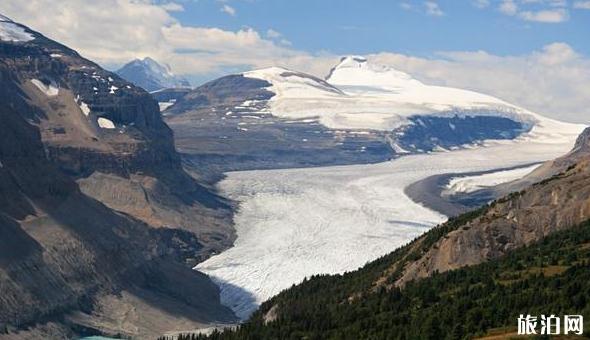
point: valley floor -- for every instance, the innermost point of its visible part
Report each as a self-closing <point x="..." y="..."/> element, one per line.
<point x="295" y="223"/>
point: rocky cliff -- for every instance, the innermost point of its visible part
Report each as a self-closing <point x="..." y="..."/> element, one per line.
<point x="109" y="135"/>
<point x="76" y="255"/>
<point x="558" y="201"/>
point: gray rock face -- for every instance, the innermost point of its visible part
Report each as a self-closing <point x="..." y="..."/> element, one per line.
<point x="556" y="203"/>
<point x="69" y="249"/>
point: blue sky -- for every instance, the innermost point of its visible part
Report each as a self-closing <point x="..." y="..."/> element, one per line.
<point x="363" y="27"/>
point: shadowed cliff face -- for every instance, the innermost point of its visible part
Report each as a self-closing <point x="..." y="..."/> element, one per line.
<point x="71" y="259"/>
<point x="109" y="135"/>
<point x="555" y="203"/>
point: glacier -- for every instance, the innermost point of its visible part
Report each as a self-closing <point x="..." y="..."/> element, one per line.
<point x="295" y="223"/>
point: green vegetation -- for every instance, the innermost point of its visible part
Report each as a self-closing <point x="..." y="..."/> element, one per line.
<point x="549" y="277"/>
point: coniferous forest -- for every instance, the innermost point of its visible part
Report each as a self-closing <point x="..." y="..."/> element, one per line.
<point x="549" y="277"/>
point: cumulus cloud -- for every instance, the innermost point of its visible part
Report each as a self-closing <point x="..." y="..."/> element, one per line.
<point x="582" y="4"/>
<point x="481" y="3"/>
<point x="543" y="11"/>
<point x="112" y="32"/>
<point x="405" y="5"/>
<point x="508" y="7"/>
<point x="432" y="8"/>
<point x="228" y="9"/>
<point x="552" y="81"/>
<point x="548" y="16"/>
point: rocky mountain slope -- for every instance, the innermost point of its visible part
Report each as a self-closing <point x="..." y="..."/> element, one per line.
<point x="525" y="252"/>
<point x="109" y="136"/>
<point x="463" y="201"/>
<point x="97" y="216"/>
<point x="150" y="75"/>
<point x="361" y="113"/>
<point x="553" y="204"/>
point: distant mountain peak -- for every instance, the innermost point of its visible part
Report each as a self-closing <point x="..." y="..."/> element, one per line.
<point x="357" y="70"/>
<point x="151" y="75"/>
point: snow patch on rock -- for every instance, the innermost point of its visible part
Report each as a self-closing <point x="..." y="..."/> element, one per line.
<point x="84" y="108"/>
<point x="164" y="105"/>
<point x="50" y="90"/>
<point x="9" y="31"/>
<point x="105" y="123"/>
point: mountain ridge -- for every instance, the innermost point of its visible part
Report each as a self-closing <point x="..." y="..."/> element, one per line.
<point x="74" y="252"/>
<point x="302" y="121"/>
<point x="151" y="76"/>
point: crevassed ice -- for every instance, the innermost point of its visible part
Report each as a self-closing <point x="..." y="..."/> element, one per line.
<point x="295" y="223"/>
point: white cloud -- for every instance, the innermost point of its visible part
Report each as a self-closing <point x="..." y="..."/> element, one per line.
<point x="278" y="37"/>
<point x="553" y="81"/>
<point x="508" y="7"/>
<point x="172" y="7"/>
<point x="405" y="5"/>
<point x="432" y="8"/>
<point x="112" y="32"/>
<point x="544" y="11"/>
<point x="273" y="34"/>
<point x="546" y="16"/>
<point x="228" y="9"/>
<point x="582" y="4"/>
<point x="556" y="54"/>
<point x="481" y="3"/>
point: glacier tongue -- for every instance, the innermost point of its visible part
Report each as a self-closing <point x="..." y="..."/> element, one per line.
<point x="295" y="223"/>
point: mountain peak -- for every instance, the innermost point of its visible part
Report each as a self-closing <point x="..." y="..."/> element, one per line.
<point x="583" y="142"/>
<point x="151" y="75"/>
<point x="357" y="70"/>
<point x="352" y="61"/>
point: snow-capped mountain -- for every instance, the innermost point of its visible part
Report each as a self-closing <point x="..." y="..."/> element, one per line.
<point x="360" y="95"/>
<point x="360" y="113"/>
<point x="150" y="75"/>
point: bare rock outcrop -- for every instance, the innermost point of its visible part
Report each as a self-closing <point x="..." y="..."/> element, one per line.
<point x="555" y="203"/>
